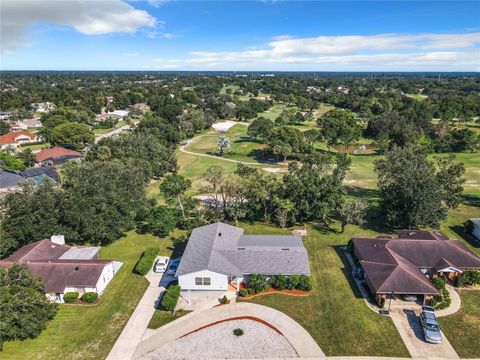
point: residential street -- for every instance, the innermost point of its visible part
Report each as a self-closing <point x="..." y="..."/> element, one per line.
<point x="408" y="325"/>
<point x="112" y="133"/>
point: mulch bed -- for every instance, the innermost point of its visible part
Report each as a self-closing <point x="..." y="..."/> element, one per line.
<point x="293" y="292"/>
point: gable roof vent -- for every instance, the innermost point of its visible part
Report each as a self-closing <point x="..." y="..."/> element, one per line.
<point x="76" y="268"/>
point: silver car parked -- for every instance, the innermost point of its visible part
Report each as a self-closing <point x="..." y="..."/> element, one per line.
<point x="430" y="325"/>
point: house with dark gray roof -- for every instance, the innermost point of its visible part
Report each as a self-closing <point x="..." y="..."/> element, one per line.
<point x="13" y="179"/>
<point x="219" y="255"/>
<point x="405" y="265"/>
<point x="64" y="268"/>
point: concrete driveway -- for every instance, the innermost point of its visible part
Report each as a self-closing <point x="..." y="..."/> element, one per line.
<point x="137" y="324"/>
<point x="407" y="322"/>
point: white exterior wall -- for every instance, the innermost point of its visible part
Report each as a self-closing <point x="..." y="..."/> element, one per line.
<point x="476" y="231"/>
<point x="218" y="281"/>
<point x="105" y="277"/>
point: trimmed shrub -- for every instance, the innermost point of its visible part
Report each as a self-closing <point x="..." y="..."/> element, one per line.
<point x="304" y="283"/>
<point x="89" y="297"/>
<point x="237" y="332"/>
<point x="170" y="298"/>
<point x="146" y="261"/>
<point x="459" y="282"/>
<point x="224" y="300"/>
<point x="471" y="277"/>
<point x="279" y="282"/>
<point x="70" y="297"/>
<point x="243" y="292"/>
<point x="292" y="282"/>
<point x="258" y="283"/>
<point x="439" y="283"/>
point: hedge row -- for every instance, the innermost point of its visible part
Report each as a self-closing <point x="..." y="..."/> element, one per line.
<point x="146" y="261"/>
<point x="88" y="297"/>
<point x="170" y="298"/>
<point x="258" y="283"/>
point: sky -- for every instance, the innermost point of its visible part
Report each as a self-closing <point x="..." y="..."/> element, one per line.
<point x="240" y="35"/>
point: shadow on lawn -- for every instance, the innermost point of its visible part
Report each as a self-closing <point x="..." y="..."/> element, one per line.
<point x="347" y="271"/>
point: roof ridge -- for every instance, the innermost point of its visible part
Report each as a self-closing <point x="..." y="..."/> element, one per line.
<point x="38" y="243"/>
<point x="414" y="274"/>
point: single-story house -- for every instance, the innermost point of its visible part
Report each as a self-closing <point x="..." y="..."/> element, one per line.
<point x="16" y="138"/>
<point x="56" y="156"/>
<point x="42" y="107"/>
<point x="12" y="179"/>
<point x="219" y="255"/>
<point x="140" y="106"/>
<point x="474" y="227"/>
<point x="405" y="265"/>
<point x="65" y="268"/>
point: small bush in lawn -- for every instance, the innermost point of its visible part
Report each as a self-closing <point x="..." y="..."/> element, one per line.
<point x="304" y="283"/>
<point x="146" y="261"/>
<point x="224" y="300"/>
<point x="70" y="297"/>
<point x="237" y="332"/>
<point x="292" y="282"/>
<point x="279" y="282"/>
<point x="243" y="292"/>
<point x="170" y="298"/>
<point x="89" y="297"/>
<point x="439" y="283"/>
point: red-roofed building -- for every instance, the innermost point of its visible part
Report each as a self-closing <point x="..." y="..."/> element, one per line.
<point x="56" y="156"/>
<point x="64" y="268"/>
<point x="405" y="265"/>
<point x="16" y="138"/>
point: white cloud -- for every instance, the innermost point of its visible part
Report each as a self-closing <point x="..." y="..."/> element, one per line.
<point x="387" y="50"/>
<point x="157" y="3"/>
<point x="153" y="34"/>
<point x="86" y="17"/>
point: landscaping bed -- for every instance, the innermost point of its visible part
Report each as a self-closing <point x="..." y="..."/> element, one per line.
<point x="293" y="292"/>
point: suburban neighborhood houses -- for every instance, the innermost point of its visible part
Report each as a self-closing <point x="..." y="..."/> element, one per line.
<point x="184" y="180"/>
<point x="219" y="255"/>
<point x="63" y="268"/>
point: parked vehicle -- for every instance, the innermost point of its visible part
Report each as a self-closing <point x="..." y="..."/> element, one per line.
<point x="161" y="264"/>
<point x="409" y="297"/>
<point x="430" y="325"/>
<point x="172" y="269"/>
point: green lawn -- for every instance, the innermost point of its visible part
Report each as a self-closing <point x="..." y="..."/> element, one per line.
<point x="334" y="314"/>
<point x="273" y="112"/>
<point x="89" y="332"/>
<point x="242" y="147"/>
<point x="162" y="317"/>
<point x="463" y="328"/>
<point x="34" y="147"/>
<point x="101" y="131"/>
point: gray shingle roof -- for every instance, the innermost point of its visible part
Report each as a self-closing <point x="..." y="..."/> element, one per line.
<point x="224" y="249"/>
<point x="9" y="179"/>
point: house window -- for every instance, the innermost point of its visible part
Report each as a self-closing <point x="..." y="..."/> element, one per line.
<point x="203" y="281"/>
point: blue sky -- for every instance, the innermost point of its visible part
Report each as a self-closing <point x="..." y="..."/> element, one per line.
<point x="247" y="35"/>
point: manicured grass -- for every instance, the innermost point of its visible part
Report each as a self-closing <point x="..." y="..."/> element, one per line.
<point x="242" y="147"/>
<point x="418" y="97"/>
<point x="273" y="112"/>
<point x="89" y="332"/>
<point x="101" y="131"/>
<point x="463" y="328"/>
<point x="162" y="317"/>
<point x="334" y="314"/>
<point x="34" y="147"/>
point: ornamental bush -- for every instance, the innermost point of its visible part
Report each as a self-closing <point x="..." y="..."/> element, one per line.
<point x="258" y="282"/>
<point x="304" y="283"/>
<point x="237" y="332"/>
<point x="89" y="297"/>
<point x="70" y="297"/>
<point x="224" y="300"/>
<point x="439" y="283"/>
<point x="146" y="261"/>
<point x="471" y="277"/>
<point x="243" y="292"/>
<point x="279" y="282"/>
<point x="170" y="298"/>
<point x="292" y="282"/>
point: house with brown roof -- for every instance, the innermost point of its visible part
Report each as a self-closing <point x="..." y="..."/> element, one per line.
<point x="65" y="268"/>
<point x="56" y="156"/>
<point x="405" y="265"/>
<point x="16" y="138"/>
